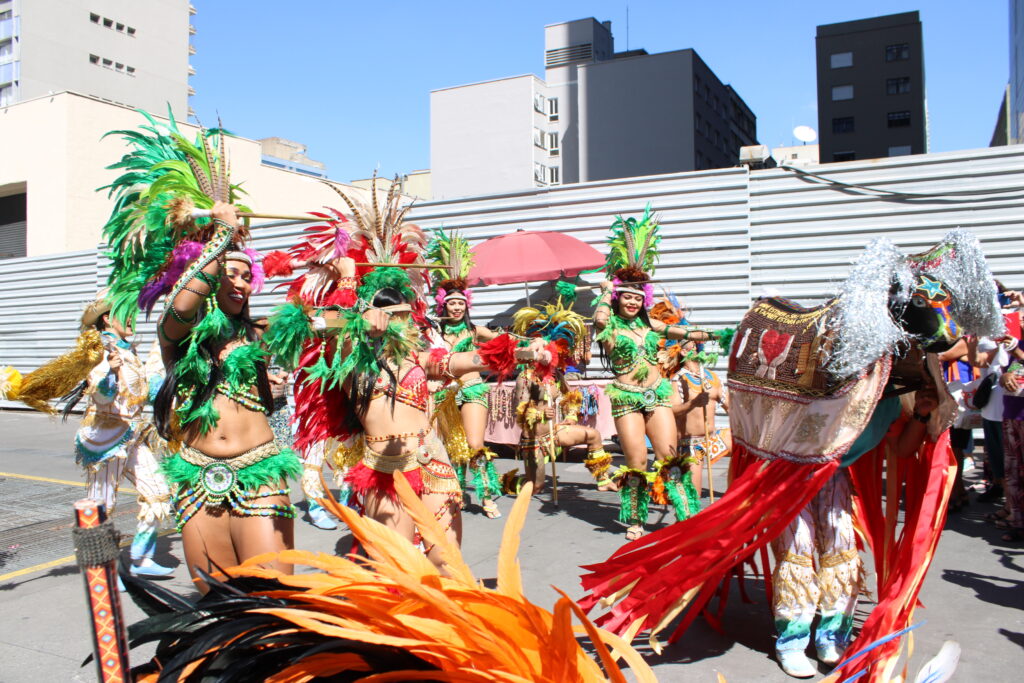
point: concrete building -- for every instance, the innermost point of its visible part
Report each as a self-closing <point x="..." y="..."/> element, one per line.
<point x="796" y="155"/>
<point x="1015" y="100"/>
<point x="415" y="184"/>
<point x="54" y="158"/>
<point x="871" y="89"/>
<point x="130" y="53"/>
<point x="595" y="115"/>
<point x="290" y="156"/>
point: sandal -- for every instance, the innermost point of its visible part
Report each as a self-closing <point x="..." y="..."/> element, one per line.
<point x="1014" y="535"/>
<point x="1002" y="524"/>
<point x="634" y="532"/>
<point x="998" y="515"/>
<point x="491" y="509"/>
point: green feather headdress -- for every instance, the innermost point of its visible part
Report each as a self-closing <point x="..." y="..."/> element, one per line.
<point x="633" y="246"/>
<point x="151" y="227"/>
<point x="449" y="249"/>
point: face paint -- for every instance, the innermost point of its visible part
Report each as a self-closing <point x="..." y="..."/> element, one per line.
<point x="930" y="295"/>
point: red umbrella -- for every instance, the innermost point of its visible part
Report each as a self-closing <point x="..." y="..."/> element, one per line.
<point x="523" y="256"/>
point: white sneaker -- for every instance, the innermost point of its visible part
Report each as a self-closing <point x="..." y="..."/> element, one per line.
<point x="796" y="664"/>
<point x="829" y="654"/>
<point x="321" y="519"/>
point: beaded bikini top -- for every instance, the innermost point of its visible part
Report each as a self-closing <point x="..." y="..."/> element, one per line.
<point x="410" y="390"/>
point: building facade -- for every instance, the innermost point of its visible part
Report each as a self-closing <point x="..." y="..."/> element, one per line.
<point x="590" y="118"/>
<point x="871" y="89"/>
<point x="1014" y="102"/>
<point x="55" y="156"/>
<point x="123" y="51"/>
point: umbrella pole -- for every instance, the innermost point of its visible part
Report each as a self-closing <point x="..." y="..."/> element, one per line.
<point x="526" y="287"/>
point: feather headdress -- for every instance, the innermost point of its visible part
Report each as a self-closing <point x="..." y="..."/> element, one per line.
<point x="322" y="244"/>
<point x="381" y="236"/>
<point x="671" y="353"/>
<point x="633" y="253"/>
<point x="450" y="249"/>
<point x="394" y="616"/>
<point x="151" y="232"/>
<point x="561" y="326"/>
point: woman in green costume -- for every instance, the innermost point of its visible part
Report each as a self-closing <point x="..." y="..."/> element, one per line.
<point x="453" y="299"/>
<point x="629" y="341"/>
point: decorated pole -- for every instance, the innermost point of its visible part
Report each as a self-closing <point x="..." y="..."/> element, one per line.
<point x="705" y="385"/>
<point x="97" y="551"/>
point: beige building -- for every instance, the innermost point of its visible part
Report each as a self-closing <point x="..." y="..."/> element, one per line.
<point x="131" y="52"/>
<point x="55" y="157"/>
<point x="415" y="184"/>
<point x="291" y="156"/>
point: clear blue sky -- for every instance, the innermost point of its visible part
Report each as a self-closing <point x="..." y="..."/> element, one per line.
<point x="352" y="80"/>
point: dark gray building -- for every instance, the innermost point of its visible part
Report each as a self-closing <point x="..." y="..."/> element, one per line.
<point x="596" y="115"/>
<point x="871" y="96"/>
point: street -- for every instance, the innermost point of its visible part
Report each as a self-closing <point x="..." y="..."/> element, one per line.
<point x="974" y="593"/>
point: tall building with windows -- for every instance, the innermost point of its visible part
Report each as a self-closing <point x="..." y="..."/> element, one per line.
<point x="1015" y="98"/>
<point x="871" y="90"/>
<point x="597" y="114"/>
<point x="123" y="51"/>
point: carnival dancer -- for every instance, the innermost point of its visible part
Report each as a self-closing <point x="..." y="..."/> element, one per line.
<point x="469" y="394"/>
<point x="547" y="407"/>
<point x="366" y="365"/>
<point x="114" y="441"/>
<point x="815" y="410"/>
<point x="696" y="393"/>
<point x="226" y="470"/>
<point x="639" y="395"/>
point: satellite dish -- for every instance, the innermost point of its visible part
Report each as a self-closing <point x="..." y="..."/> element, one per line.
<point x="805" y="134"/>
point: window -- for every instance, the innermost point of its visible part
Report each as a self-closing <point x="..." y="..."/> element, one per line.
<point x="131" y="30"/>
<point x="94" y="18"/>
<point x="538" y="103"/>
<point x="538" y="138"/>
<point x="842" y="92"/>
<point x="119" y="66"/>
<point x="108" y="23"/>
<point x="898" y="52"/>
<point x="900" y="151"/>
<point x="94" y="59"/>
<point x="108" y="62"/>
<point x="698" y="123"/>
<point x="552" y="109"/>
<point x="120" y="27"/>
<point x="844" y="156"/>
<point x="841" y="60"/>
<point x="6" y="50"/>
<point x="540" y="173"/>
<point x="6" y="95"/>
<point x="554" y="177"/>
<point x="898" y="119"/>
<point x="553" y="144"/>
<point x="897" y="86"/>
<point x="843" y="124"/>
<point x="131" y="70"/>
<point x="696" y="85"/>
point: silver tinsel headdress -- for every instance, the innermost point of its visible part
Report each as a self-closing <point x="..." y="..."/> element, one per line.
<point x="864" y="328"/>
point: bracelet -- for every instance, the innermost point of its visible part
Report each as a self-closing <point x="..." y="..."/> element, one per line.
<point x="177" y="316"/>
<point x="923" y="419"/>
<point x="195" y="291"/>
<point x="347" y="283"/>
<point x="211" y="281"/>
<point x="225" y="224"/>
<point x="605" y="304"/>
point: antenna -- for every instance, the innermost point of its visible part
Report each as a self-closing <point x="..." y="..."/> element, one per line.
<point x="805" y="134"/>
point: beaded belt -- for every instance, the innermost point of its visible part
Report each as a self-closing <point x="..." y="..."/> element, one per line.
<point x="647" y="395"/>
<point x="246" y="459"/>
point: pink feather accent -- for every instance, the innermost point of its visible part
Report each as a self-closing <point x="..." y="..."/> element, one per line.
<point x="439" y="300"/>
<point x="183" y="254"/>
<point x="258" y="274"/>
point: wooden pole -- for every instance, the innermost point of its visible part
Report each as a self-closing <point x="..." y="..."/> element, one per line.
<point x="706" y="388"/>
<point x="97" y="551"/>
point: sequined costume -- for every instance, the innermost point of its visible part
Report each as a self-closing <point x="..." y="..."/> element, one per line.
<point x="114" y="443"/>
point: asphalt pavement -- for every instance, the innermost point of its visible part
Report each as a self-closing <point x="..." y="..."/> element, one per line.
<point x="974" y="593"/>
